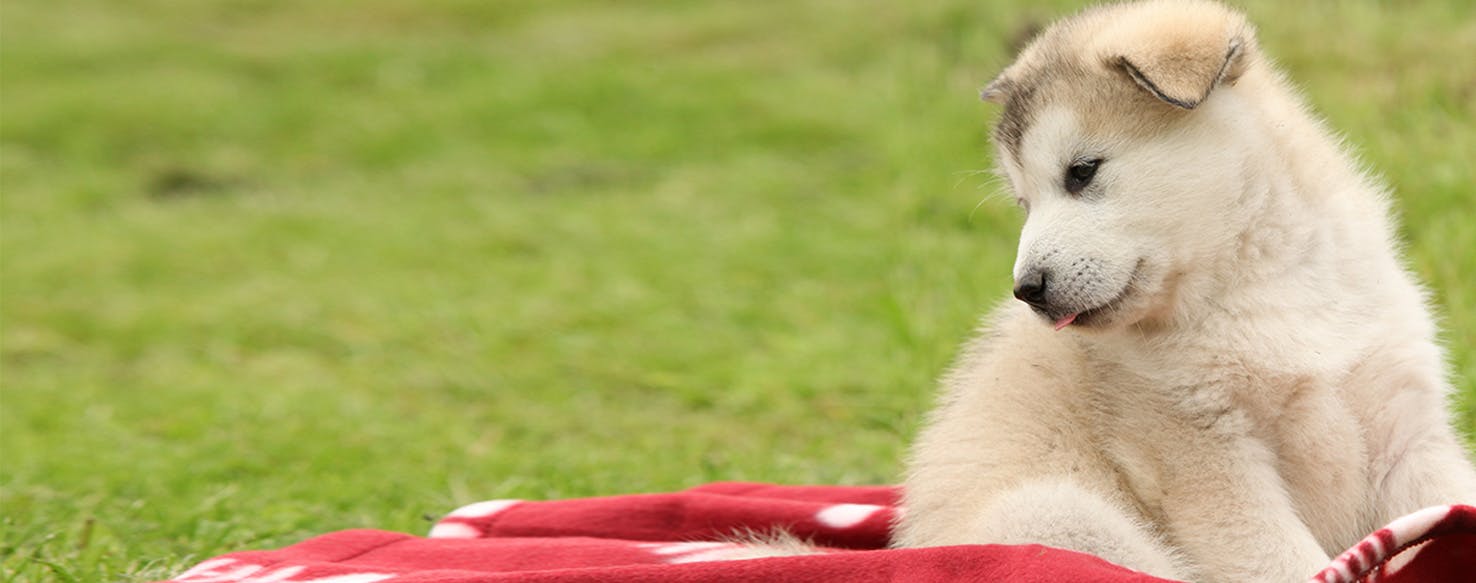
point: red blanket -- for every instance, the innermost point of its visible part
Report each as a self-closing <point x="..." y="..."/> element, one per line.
<point x="678" y="537"/>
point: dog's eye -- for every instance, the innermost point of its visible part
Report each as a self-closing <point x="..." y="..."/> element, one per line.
<point x="1080" y="174"/>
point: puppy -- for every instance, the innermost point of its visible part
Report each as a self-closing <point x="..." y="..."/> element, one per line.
<point x="1218" y="369"/>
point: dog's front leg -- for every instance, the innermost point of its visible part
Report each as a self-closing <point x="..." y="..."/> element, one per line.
<point x="1225" y="504"/>
<point x="1426" y="468"/>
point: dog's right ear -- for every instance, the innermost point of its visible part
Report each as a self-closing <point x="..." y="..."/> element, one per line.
<point x="994" y="92"/>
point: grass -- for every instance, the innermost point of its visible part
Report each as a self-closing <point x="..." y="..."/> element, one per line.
<point x="278" y="268"/>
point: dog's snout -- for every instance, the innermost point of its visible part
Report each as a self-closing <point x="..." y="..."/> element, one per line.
<point x="1031" y="288"/>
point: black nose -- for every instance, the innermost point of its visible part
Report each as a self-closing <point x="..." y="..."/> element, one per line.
<point x="1031" y="288"/>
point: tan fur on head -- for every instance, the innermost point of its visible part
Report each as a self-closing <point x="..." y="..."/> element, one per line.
<point x="1176" y="50"/>
<point x="1125" y="60"/>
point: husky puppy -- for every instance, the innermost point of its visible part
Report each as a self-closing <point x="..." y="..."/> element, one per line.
<point x="1219" y="369"/>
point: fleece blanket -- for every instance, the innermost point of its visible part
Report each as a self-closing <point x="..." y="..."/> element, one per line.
<point x="683" y="537"/>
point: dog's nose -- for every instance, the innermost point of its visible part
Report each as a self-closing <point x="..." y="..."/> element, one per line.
<point x="1031" y="288"/>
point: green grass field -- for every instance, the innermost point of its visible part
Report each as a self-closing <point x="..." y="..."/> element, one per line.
<point x="272" y="269"/>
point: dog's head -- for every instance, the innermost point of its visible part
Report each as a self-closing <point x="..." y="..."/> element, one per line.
<point x="1123" y="139"/>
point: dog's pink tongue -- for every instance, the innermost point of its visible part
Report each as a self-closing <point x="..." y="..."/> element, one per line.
<point x="1065" y="321"/>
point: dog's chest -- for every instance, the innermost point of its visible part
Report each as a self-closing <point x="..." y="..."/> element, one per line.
<point x="1294" y="426"/>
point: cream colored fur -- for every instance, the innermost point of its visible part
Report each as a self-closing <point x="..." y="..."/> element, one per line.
<point x="1264" y="385"/>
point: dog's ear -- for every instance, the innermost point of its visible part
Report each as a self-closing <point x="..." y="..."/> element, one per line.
<point x="994" y="92"/>
<point x="1180" y="57"/>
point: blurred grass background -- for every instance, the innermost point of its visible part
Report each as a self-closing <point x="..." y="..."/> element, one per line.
<point x="278" y="268"/>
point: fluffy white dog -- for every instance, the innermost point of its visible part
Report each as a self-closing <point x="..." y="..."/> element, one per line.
<point x="1218" y="354"/>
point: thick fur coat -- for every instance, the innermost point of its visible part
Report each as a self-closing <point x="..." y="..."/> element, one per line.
<point x="1220" y="354"/>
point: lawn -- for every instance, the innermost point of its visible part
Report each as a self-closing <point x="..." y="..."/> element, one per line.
<point x="274" y="268"/>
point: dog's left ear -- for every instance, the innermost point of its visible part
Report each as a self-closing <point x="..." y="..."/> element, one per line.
<point x="1181" y="58"/>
